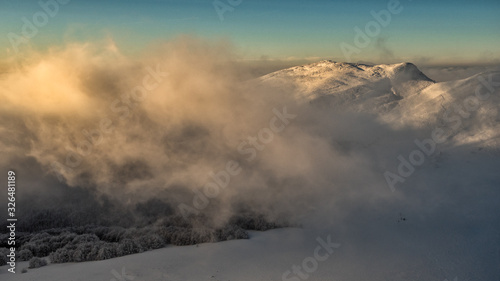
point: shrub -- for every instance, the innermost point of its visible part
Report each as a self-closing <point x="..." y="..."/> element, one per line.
<point x="25" y="255"/>
<point x="84" y="252"/>
<point x="108" y="251"/>
<point x="128" y="247"/>
<point x="38" y="249"/>
<point x="111" y="234"/>
<point x="84" y="238"/>
<point x="77" y="255"/>
<point x="151" y="241"/>
<point x="253" y="222"/>
<point x="231" y="232"/>
<point x="3" y="256"/>
<point x="37" y="262"/>
<point x="61" y="255"/>
<point x="42" y="244"/>
<point x="96" y="242"/>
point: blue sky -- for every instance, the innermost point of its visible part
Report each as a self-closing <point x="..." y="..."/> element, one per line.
<point x="425" y="31"/>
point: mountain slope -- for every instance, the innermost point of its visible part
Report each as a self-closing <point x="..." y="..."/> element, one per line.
<point x="400" y="95"/>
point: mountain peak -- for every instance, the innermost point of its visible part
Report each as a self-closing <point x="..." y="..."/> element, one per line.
<point x="404" y="71"/>
<point x="328" y="69"/>
<point x="342" y="83"/>
<point x="398" y="71"/>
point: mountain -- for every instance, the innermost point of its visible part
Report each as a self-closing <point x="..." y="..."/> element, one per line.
<point x="355" y="86"/>
<point x="400" y="95"/>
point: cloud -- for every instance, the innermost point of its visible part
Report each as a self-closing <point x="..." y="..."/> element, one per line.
<point x="82" y="112"/>
<point x="129" y="129"/>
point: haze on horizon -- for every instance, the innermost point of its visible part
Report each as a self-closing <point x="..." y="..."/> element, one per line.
<point x="423" y="32"/>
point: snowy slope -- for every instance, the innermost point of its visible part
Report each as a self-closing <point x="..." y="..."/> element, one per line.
<point x="400" y="95"/>
<point x="375" y="248"/>
<point x="467" y="109"/>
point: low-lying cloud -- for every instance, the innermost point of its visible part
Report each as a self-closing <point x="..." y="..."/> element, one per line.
<point x="88" y="120"/>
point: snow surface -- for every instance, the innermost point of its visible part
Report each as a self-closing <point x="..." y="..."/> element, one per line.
<point x="364" y="254"/>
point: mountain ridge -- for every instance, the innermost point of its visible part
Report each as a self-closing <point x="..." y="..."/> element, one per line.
<point x="355" y="85"/>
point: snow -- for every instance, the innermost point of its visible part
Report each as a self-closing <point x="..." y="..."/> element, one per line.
<point x="399" y="252"/>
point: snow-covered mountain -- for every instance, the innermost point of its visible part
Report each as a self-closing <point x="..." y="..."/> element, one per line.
<point x="352" y="85"/>
<point x="400" y="95"/>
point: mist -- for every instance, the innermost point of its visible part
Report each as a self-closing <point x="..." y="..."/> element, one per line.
<point x="132" y="129"/>
<point x="87" y="126"/>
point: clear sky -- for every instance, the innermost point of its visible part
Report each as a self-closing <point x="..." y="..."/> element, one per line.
<point x="423" y="31"/>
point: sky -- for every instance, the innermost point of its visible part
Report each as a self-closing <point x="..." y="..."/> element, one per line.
<point x="425" y="32"/>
